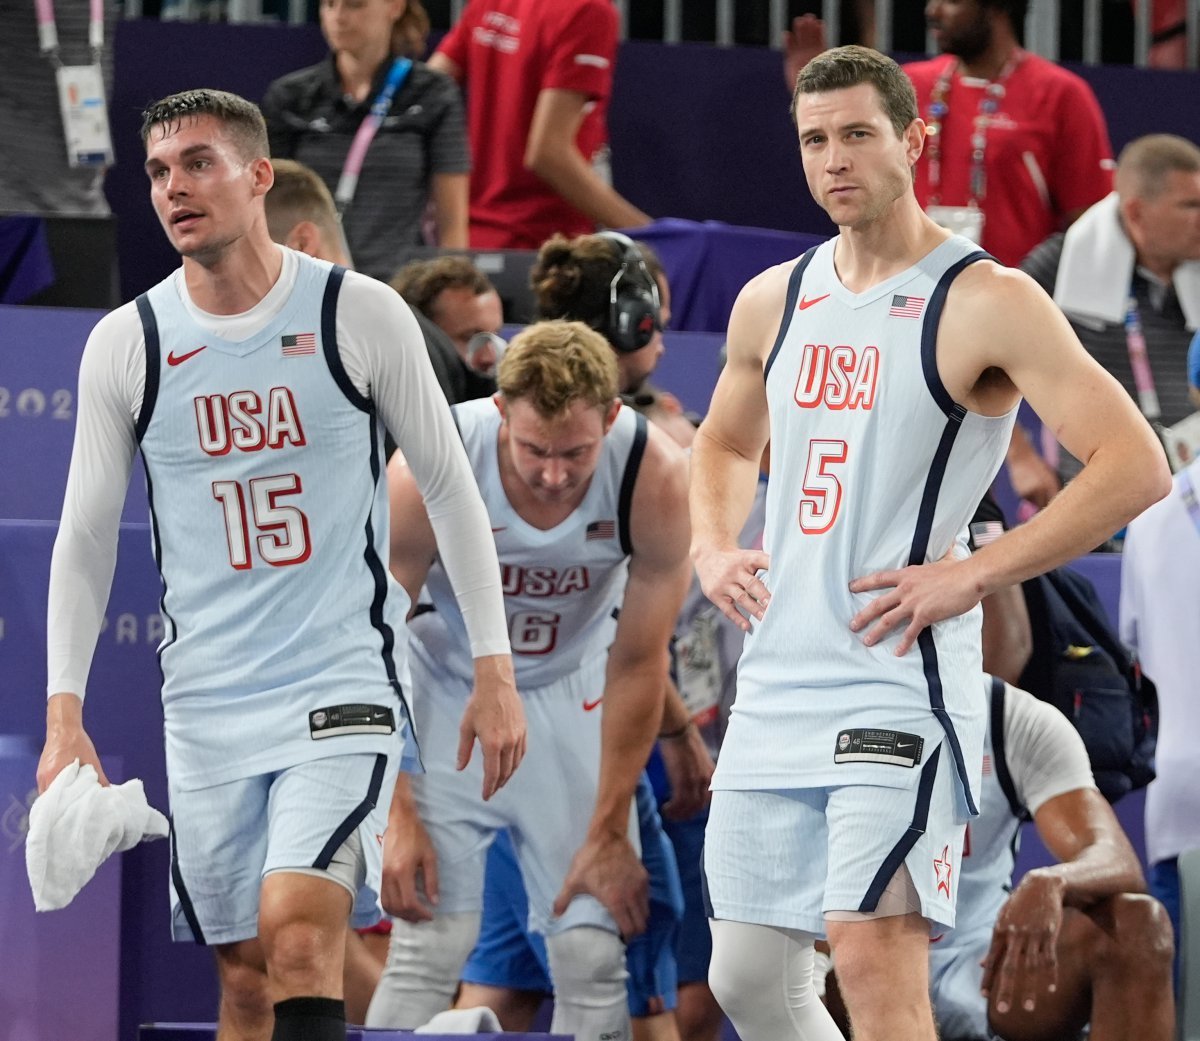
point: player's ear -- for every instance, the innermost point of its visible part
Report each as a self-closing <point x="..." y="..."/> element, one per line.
<point x="610" y="417"/>
<point x="263" y="174"/>
<point x="914" y="140"/>
<point x="305" y="238"/>
<point x="498" y="400"/>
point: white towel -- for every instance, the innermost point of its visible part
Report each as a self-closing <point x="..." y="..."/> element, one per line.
<point x="1096" y="269"/>
<point x="76" y="824"/>
<point x="481" y="1020"/>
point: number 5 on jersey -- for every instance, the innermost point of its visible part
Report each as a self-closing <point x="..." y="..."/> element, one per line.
<point x="284" y="529"/>
<point x="822" y="498"/>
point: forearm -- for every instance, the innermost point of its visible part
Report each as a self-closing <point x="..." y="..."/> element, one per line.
<point x="1099" y="872"/>
<point x="632" y="710"/>
<point x="566" y="171"/>
<point x="723" y="484"/>
<point x="403" y="806"/>
<point x="675" y="716"/>
<point x="1116" y="485"/>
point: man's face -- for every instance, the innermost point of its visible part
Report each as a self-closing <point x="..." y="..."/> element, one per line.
<point x="959" y="27"/>
<point x="1170" y="222"/>
<point x="555" y="458"/>
<point x="855" y="165"/>
<point x="202" y="189"/>
<point x="462" y="313"/>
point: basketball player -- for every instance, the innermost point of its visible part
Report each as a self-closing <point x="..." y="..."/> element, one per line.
<point x="587" y="507"/>
<point x="885" y="367"/>
<point x="255" y="381"/>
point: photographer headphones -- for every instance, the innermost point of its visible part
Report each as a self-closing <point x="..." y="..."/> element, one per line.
<point x="633" y="303"/>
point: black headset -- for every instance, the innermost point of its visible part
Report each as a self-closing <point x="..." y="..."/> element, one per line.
<point x="633" y="303"/>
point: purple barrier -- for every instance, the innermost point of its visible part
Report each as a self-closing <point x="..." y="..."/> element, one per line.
<point x="71" y="953"/>
<point x="159" y="979"/>
<point x="26" y="266"/>
<point x="709" y="262"/>
<point x="40" y="350"/>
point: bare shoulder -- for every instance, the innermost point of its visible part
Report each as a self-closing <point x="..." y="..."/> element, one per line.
<point x="659" y="516"/>
<point x="664" y="466"/>
<point x="757" y="313"/>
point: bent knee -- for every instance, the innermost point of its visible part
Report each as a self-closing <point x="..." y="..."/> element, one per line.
<point x="244" y="986"/>
<point x="584" y="956"/>
<point x="1141" y="929"/>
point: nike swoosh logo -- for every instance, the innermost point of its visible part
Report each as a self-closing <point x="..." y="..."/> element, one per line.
<point x="589" y="705"/>
<point x="179" y="359"/>
<point x="804" y="305"/>
<point x="908" y="744"/>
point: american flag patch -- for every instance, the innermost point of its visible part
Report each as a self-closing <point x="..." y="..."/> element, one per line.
<point x="906" y="307"/>
<point x="987" y="765"/>
<point x="299" y="343"/>
<point x="604" y="529"/>
<point x="983" y="532"/>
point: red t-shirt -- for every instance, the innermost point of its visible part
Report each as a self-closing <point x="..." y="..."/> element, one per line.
<point x="1047" y="151"/>
<point x="509" y="51"/>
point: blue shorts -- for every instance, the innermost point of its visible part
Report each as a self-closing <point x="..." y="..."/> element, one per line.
<point x="508" y="955"/>
<point x="693" y="948"/>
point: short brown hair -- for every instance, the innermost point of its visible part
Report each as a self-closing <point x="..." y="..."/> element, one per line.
<point x="421" y="282"/>
<point x="298" y="194"/>
<point x="240" y="117"/>
<point x="1144" y="163"/>
<point x="553" y="364"/>
<point x="849" y="66"/>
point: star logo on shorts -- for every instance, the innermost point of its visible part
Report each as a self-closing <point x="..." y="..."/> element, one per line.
<point x="943" y="868"/>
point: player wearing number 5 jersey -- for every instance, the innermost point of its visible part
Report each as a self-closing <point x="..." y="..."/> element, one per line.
<point x="885" y="368"/>
<point x="256" y="383"/>
<point x="588" y="509"/>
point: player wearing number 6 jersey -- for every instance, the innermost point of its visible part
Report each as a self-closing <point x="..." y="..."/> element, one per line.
<point x="588" y="509"/>
<point x="885" y="368"/>
<point x="256" y="383"/>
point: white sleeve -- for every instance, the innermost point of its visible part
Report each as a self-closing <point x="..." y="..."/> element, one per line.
<point x="1127" y="613"/>
<point x="384" y="355"/>
<point x="112" y="376"/>
<point x="1045" y="754"/>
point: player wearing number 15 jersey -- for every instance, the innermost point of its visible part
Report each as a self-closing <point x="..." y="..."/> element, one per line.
<point x="256" y="383"/>
<point x="588" y="509"/>
<point x="885" y="368"/>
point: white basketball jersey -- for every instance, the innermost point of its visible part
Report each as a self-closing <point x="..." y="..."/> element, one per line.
<point x="560" y="585"/>
<point x="269" y="516"/>
<point x="873" y="467"/>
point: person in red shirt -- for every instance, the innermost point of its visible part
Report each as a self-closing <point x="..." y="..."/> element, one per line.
<point x="538" y="76"/>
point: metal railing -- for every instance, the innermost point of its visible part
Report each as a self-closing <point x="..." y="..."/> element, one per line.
<point x="1042" y="32"/>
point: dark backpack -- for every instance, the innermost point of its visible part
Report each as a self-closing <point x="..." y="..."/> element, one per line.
<point x="1080" y="666"/>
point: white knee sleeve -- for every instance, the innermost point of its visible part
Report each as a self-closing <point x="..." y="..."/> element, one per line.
<point x="587" y="967"/>
<point x="763" y="979"/>
<point x="423" y="966"/>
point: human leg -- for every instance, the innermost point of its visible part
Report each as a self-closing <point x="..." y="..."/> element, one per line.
<point x="763" y="978"/>
<point x="246" y="1007"/>
<point x="587" y="965"/>
<point x="1114" y="973"/>
<point x="364" y="961"/>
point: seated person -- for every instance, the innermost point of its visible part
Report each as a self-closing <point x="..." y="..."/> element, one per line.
<point x="1127" y="275"/>
<point x="1074" y="943"/>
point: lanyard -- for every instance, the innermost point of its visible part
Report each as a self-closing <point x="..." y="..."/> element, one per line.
<point x="348" y="182"/>
<point x="1139" y="361"/>
<point x="939" y="109"/>
<point x="48" y="29"/>
<point x="1188" y="491"/>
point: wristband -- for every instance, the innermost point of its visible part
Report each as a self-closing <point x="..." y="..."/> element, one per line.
<point x="676" y="734"/>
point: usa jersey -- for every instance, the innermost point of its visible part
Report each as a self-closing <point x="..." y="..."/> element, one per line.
<point x="269" y="515"/>
<point x="873" y="467"/>
<point x="560" y="585"/>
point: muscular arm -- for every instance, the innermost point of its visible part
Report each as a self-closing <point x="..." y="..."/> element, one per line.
<point x="551" y="153"/>
<point x="413" y="544"/>
<point x="633" y="687"/>
<point x="998" y="323"/>
<point x="727" y="451"/>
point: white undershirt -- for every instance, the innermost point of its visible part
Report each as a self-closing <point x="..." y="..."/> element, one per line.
<point x="384" y="355"/>
<point x="1046" y="756"/>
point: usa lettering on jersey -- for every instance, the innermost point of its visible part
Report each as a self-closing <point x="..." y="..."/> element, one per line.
<point x="239" y="420"/>
<point x="543" y="580"/>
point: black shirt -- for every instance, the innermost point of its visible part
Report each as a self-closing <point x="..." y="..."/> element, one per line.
<point x="309" y="119"/>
